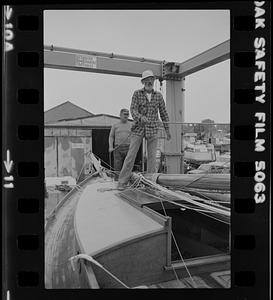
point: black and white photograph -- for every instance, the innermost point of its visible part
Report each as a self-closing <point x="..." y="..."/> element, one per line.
<point x="137" y="149"/>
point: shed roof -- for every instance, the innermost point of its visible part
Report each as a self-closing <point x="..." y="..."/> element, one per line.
<point x="100" y="120"/>
<point x="64" y="111"/>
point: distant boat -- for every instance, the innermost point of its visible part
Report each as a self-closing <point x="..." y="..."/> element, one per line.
<point x="214" y="167"/>
<point x="224" y="157"/>
<point x="199" y="153"/>
<point x="146" y="236"/>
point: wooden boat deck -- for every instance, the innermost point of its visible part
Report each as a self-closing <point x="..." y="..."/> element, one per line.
<point x="61" y="244"/>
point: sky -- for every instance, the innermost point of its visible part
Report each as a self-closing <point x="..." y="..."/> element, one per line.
<point x="171" y="35"/>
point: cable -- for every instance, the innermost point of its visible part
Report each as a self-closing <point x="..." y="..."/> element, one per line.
<point x="189" y="200"/>
<point x="181" y="257"/>
<point x="92" y="260"/>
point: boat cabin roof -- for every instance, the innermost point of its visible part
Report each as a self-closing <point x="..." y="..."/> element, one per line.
<point x="103" y="219"/>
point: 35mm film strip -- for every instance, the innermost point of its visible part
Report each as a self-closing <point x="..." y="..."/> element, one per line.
<point x="23" y="150"/>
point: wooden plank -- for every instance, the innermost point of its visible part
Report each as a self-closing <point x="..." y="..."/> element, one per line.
<point x="77" y="157"/>
<point x="72" y="132"/>
<point x="169" y="243"/>
<point x="56" y="131"/>
<point x="155" y="216"/>
<point x="64" y="157"/>
<point x="87" y="150"/>
<point x="64" y="132"/>
<point x="48" y="132"/>
<point x="84" y="132"/>
<point x="50" y="145"/>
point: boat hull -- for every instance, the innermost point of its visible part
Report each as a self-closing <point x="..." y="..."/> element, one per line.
<point x="144" y="259"/>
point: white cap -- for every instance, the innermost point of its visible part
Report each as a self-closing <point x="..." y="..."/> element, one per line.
<point x="146" y="74"/>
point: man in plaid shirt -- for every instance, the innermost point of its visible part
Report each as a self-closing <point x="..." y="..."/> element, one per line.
<point x="145" y="105"/>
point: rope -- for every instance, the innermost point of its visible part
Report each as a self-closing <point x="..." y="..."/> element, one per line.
<point x="92" y="260"/>
<point x="177" y="247"/>
<point x="189" y="200"/>
<point x="211" y="201"/>
<point x="134" y="185"/>
<point x="181" y="257"/>
<point x="175" y="273"/>
<point x="80" y="172"/>
<point x="183" y="207"/>
<point x="204" y="196"/>
<point x="131" y="186"/>
<point x="197" y="210"/>
<point x="179" y="252"/>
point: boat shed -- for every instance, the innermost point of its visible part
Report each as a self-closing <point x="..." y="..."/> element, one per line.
<point x="68" y="143"/>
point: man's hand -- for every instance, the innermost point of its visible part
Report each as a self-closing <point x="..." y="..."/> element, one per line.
<point x="168" y="136"/>
<point x="111" y="149"/>
<point x="144" y="120"/>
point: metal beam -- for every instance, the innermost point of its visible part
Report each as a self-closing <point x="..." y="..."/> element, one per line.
<point x="96" y="62"/>
<point x="205" y="59"/>
<point x="102" y="54"/>
<point x="110" y="63"/>
<point x="175" y="96"/>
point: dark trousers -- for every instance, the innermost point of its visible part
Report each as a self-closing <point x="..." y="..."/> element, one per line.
<point x="119" y="157"/>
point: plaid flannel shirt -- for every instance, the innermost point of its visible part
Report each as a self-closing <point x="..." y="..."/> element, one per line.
<point x="141" y="107"/>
